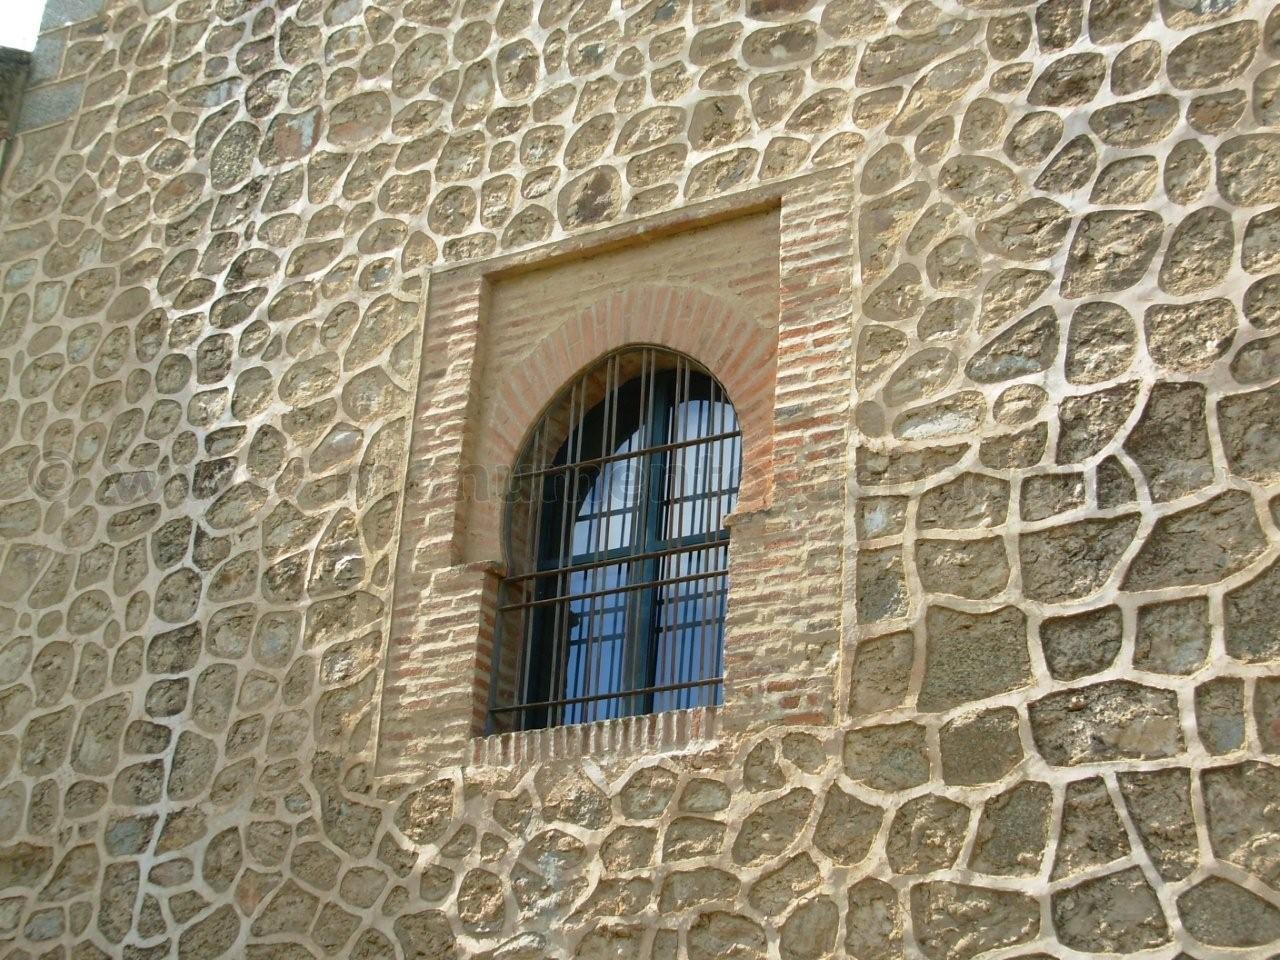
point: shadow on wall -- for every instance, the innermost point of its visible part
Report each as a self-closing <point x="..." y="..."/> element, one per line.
<point x="15" y="67"/>
<point x="48" y="87"/>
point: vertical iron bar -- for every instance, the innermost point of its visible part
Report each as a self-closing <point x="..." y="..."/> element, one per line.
<point x="568" y="519"/>
<point x="596" y="636"/>
<point x="722" y="485"/>
<point x="705" y="597"/>
<point x="676" y="510"/>
<point x="586" y="641"/>
<point x="643" y="635"/>
<point x="635" y="640"/>
<point x="530" y="548"/>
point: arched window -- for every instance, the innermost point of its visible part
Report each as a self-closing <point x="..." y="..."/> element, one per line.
<point x="617" y="548"/>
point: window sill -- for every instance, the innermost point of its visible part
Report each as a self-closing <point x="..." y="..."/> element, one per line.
<point x="674" y="731"/>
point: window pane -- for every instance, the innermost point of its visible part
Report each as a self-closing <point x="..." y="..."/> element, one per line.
<point x="595" y="641"/>
<point x="607" y="518"/>
<point x="623" y="611"/>
<point x="690" y="633"/>
<point x="702" y="483"/>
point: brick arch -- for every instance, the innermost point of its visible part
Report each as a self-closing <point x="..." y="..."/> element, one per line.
<point x="736" y="350"/>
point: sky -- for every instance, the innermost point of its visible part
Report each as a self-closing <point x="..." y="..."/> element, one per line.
<point x="19" y="21"/>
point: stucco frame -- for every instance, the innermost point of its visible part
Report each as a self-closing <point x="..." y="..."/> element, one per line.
<point x="783" y="627"/>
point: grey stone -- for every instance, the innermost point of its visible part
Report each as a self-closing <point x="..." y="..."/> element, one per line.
<point x="1255" y="361"/>
<point x="1008" y="293"/>
<point x="1186" y="171"/>
<point x="1114" y="21"/>
<point x="1127" y="180"/>
<point x="1170" y="443"/>
<point x="211" y="937"/>
<point x="873" y="928"/>
<point x="1266" y="712"/>
<point x="689" y="837"/>
<point x="954" y="921"/>
<point x="890" y="757"/>
<point x="772" y="827"/>
<point x="1113" y="720"/>
<point x="1082" y="644"/>
<point x="882" y="589"/>
<point x="49" y="104"/>
<point x="1220" y="712"/>
<point x="1199" y="252"/>
<point x="809" y="933"/>
<point x="1213" y="57"/>
<point x="973" y="656"/>
<point x="905" y="466"/>
<point x="647" y="793"/>
<point x="1111" y="250"/>
<point x="1033" y="230"/>
<point x="926" y="834"/>
<point x="1249" y="169"/>
<point x="1028" y="346"/>
<point x="1069" y="81"/>
<point x="1252" y="450"/>
<point x="1258" y="252"/>
<point x="921" y="375"/>
<point x="980" y="748"/>
<point x="1216" y="113"/>
<point x="1242" y="820"/>
<point x="24" y="864"/>
<point x="760" y="768"/>
<point x="1074" y="560"/>
<point x="1159" y="802"/>
<point x="119" y="895"/>
<point x="481" y="907"/>
<point x="1100" y="343"/>
<point x="1117" y="913"/>
<point x="1091" y="834"/>
<point x="1071" y="168"/>
<point x="1133" y="123"/>
<point x="806" y="751"/>
<point x="1135" y="67"/>
<point x="881" y="672"/>
<point x="973" y="569"/>
<point x="970" y="500"/>
<point x="1013" y="831"/>
<point x="846" y="827"/>
<point x="1173" y="637"/>
<point x="1222" y="914"/>
<point x="938" y="89"/>
<point x="1260" y="303"/>
<point x="1248" y="628"/>
<point x="896" y="56"/>
<point x="1201" y="544"/>
<point x="1049" y="494"/>
<point x="718" y="934"/>
<point x="978" y="185"/>
<point x="1187" y="337"/>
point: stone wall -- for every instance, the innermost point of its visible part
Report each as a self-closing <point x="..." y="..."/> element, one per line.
<point x="1059" y="713"/>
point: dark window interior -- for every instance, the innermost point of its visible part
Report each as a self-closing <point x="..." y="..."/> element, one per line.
<point x="620" y="606"/>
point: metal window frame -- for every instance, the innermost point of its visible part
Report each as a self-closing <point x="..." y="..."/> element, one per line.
<point x="538" y="599"/>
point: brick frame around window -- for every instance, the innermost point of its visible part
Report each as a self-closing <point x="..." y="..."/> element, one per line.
<point x="790" y="382"/>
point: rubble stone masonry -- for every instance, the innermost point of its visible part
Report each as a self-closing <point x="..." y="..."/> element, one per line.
<point x="996" y="286"/>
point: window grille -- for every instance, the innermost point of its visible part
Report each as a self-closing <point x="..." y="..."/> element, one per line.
<point x="617" y="549"/>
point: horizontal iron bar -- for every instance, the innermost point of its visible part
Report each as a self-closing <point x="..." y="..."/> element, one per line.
<point x="641" y="585"/>
<point x="721" y="539"/>
<point x="631" y="455"/>
<point x="663" y="688"/>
